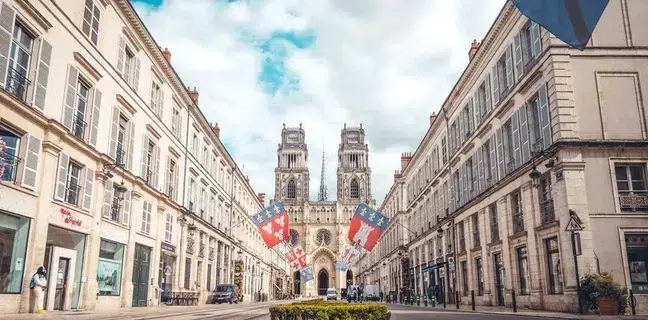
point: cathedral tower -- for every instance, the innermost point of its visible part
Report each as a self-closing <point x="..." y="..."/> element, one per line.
<point x="291" y="173"/>
<point x="353" y="173"/>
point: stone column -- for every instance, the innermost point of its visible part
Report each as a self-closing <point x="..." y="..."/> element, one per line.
<point x="127" y="270"/>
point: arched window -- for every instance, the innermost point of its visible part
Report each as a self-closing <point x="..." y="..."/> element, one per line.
<point x="355" y="190"/>
<point x="292" y="190"/>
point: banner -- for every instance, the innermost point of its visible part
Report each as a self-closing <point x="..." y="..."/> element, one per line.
<point x="306" y="274"/>
<point x="571" y="21"/>
<point x="350" y="255"/>
<point x="273" y="224"/>
<point x="340" y="266"/>
<point x="366" y="226"/>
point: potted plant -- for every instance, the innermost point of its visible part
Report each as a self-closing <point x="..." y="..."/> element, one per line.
<point x="600" y="292"/>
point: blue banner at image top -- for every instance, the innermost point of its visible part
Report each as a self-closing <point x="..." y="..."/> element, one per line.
<point x="571" y="21"/>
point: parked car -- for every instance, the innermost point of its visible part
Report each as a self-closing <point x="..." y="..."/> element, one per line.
<point x="225" y="293"/>
<point x="331" y="294"/>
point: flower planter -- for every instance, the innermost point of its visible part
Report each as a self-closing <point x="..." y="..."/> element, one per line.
<point x="608" y="306"/>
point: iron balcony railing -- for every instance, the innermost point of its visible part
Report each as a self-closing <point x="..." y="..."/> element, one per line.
<point x="547" y="214"/>
<point x="518" y="222"/>
<point x="633" y="200"/>
<point x="79" y="125"/>
<point x="115" y="209"/>
<point x="72" y="194"/>
<point x="120" y="155"/>
<point x="8" y="167"/>
<point x="17" y="84"/>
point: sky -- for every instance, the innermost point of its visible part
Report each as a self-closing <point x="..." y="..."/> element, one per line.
<point x="322" y="63"/>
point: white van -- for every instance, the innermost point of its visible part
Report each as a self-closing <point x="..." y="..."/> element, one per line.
<point x="371" y="292"/>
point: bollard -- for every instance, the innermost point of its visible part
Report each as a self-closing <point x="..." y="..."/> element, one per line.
<point x="457" y="299"/>
<point x="633" y="303"/>
<point x="444" y="300"/>
<point x="514" y="301"/>
<point x="418" y="300"/>
<point x="425" y="301"/>
<point x="472" y="299"/>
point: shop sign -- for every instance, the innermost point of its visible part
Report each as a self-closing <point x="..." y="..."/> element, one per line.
<point x="167" y="247"/>
<point x="68" y="218"/>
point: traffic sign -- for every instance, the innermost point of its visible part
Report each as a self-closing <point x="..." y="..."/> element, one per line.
<point x="574" y="223"/>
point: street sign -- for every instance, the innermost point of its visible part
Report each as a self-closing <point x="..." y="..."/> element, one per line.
<point x="574" y="223"/>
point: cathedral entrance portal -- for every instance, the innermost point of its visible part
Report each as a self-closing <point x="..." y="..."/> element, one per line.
<point x="322" y="282"/>
<point x="297" y="282"/>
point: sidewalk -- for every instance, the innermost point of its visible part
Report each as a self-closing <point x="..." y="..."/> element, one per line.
<point x="509" y="311"/>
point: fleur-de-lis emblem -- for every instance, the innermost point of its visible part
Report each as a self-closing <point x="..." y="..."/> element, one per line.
<point x="279" y="235"/>
<point x="281" y="221"/>
<point x="267" y="228"/>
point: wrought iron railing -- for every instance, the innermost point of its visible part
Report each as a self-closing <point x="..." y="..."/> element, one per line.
<point x="518" y="222"/>
<point x="115" y="209"/>
<point x="633" y="200"/>
<point x="72" y="194"/>
<point x="78" y="125"/>
<point x="547" y="214"/>
<point x="17" y="84"/>
<point x="120" y="155"/>
<point x="170" y="191"/>
<point x="8" y="167"/>
<point x="190" y="245"/>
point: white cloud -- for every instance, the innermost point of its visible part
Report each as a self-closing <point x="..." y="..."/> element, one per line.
<point x="379" y="62"/>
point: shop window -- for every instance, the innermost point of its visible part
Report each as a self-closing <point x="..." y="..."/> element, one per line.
<point x="109" y="268"/>
<point x="637" y="247"/>
<point x="14" y="232"/>
<point x="554" y="267"/>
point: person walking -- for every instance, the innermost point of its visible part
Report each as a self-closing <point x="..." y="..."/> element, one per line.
<point x="38" y="284"/>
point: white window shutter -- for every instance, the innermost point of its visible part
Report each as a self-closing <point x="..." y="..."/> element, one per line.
<point x="160" y="105"/>
<point x="61" y="177"/>
<point x="131" y="145"/>
<point x="488" y="94"/>
<point x="519" y="62"/>
<point x="148" y="218"/>
<point x="42" y="75"/>
<point x="121" y="55"/>
<point x="515" y="136"/>
<point x="536" y="39"/>
<point x="495" y="85"/>
<point x="144" y="168"/>
<point x="88" y="189"/>
<point x="96" y="110"/>
<point x="510" y="73"/>
<point x="545" y="117"/>
<point x="126" y="208"/>
<point x="167" y="179"/>
<point x="136" y="74"/>
<point x="32" y="159"/>
<point x="108" y="199"/>
<point x="7" y="20"/>
<point x="153" y="98"/>
<point x="70" y="97"/>
<point x="524" y="134"/>
<point x="114" y="132"/>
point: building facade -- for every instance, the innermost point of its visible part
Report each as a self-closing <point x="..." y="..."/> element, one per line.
<point x="535" y="135"/>
<point x="321" y="227"/>
<point x="111" y="177"/>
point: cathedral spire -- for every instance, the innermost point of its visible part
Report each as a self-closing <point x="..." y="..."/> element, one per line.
<point x="322" y="190"/>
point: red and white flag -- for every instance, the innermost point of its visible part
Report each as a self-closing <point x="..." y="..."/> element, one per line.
<point x="295" y="253"/>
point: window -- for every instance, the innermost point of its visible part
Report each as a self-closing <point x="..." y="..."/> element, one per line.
<point x="73" y="184"/>
<point x="146" y="217"/>
<point x="91" y="16"/>
<point x="148" y="162"/>
<point x="479" y="270"/>
<point x="533" y="107"/>
<point x="203" y="199"/>
<point x="444" y="150"/>
<point x="172" y="179"/>
<point x="109" y="268"/>
<point x="482" y="105"/>
<point x="19" y="62"/>
<point x="475" y="227"/>
<point x="81" y="110"/>
<point x="462" y="236"/>
<point x="354" y="189"/>
<point x="516" y="211"/>
<point x="467" y="114"/>
<point x="192" y="194"/>
<point x="504" y="76"/>
<point x="129" y="65"/>
<point x="494" y="222"/>
<point x="464" y="277"/>
<point x="168" y="228"/>
<point x="637" y="247"/>
<point x="187" y="275"/>
<point x="122" y="134"/>
<point x="9" y="150"/>
<point x="292" y="190"/>
<point x="554" y="268"/>
<point x="116" y="208"/>
<point x="546" y="203"/>
<point x="631" y="187"/>
<point x="157" y="99"/>
<point x="176" y="123"/>
<point x="470" y="178"/>
<point x="14" y="234"/>
<point x="523" y="270"/>
<point x="509" y="150"/>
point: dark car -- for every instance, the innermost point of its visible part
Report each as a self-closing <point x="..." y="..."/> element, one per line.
<point x="225" y="293"/>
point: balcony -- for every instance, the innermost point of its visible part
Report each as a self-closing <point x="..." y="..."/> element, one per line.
<point x="518" y="222"/>
<point x="201" y="250"/>
<point x="72" y="193"/>
<point x="78" y="126"/>
<point x="17" y="84"/>
<point x="8" y="167"/>
<point x="191" y="245"/>
<point x="120" y="155"/>
<point x="633" y="200"/>
<point x="115" y="209"/>
<point x="547" y="214"/>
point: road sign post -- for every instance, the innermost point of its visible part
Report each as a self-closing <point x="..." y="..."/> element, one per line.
<point x="573" y="226"/>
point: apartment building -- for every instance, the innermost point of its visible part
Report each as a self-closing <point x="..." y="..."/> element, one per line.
<point x="533" y="135"/>
<point x="111" y="176"/>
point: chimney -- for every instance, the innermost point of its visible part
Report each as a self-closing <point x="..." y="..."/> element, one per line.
<point x="167" y="54"/>
<point x="432" y="117"/>
<point x="193" y="93"/>
<point x="473" y="48"/>
<point x="261" y="197"/>
<point x="406" y="157"/>
<point x="396" y="175"/>
<point x="216" y="128"/>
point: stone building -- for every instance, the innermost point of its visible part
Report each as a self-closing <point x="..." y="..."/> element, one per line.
<point x="535" y="134"/>
<point x="111" y="177"/>
<point x="321" y="227"/>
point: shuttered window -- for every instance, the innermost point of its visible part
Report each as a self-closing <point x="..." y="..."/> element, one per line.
<point x="128" y="64"/>
<point x="147" y="210"/>
<point x="20" y="58"/>
<point x="176" y="123"/>
<point x="91" y="18"/>
<point x="168" y="228"/>
<point x="157" y="99"/>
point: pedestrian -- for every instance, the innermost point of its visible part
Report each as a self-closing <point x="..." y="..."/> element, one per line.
<point x="38" y="284"/>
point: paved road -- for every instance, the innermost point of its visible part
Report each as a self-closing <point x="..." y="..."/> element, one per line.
<point x="416" y="313"/>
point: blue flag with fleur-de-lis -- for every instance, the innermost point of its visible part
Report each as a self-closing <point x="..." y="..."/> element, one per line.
<point x="366" y="226"/>
<point x="306" y="274"/>
<point x="571" y="21"/>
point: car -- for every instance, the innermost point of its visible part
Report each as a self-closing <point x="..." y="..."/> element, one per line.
<point x="331" y="294"/>
<point x="225" y="293"/>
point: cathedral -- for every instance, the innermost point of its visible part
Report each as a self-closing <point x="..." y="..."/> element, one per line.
<point x="321" y="226"/>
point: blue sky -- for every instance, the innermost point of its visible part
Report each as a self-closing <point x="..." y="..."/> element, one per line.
<point x="259" y="64"/>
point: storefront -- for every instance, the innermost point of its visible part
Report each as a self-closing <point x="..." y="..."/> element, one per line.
<point x="167" y="267"/>
<point x="64" y="259"/>
<point x="14" y="233"/>
<point x="110" y="268"/>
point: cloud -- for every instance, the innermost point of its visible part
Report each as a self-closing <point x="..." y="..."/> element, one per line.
<point x="258" y="64"/>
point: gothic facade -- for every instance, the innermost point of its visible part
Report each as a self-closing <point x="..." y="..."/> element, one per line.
<point x="321" y="227"/>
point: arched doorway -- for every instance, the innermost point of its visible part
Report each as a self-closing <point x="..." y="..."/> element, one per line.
<point x="297" y="282"/>
<point x="322" y="282"/>
<point x="349" y="278"/>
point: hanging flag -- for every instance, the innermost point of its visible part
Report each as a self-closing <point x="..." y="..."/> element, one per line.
<point x="351" y="255"/>
<point x="273" y="223"/>
<point x="340" y="266"/>
<point x="571" y="21"/>
<point x="306" y="274"/>
<point x="366" y="227"/>
<point x="299" y="263"/>
<point x="295" y="253"/>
